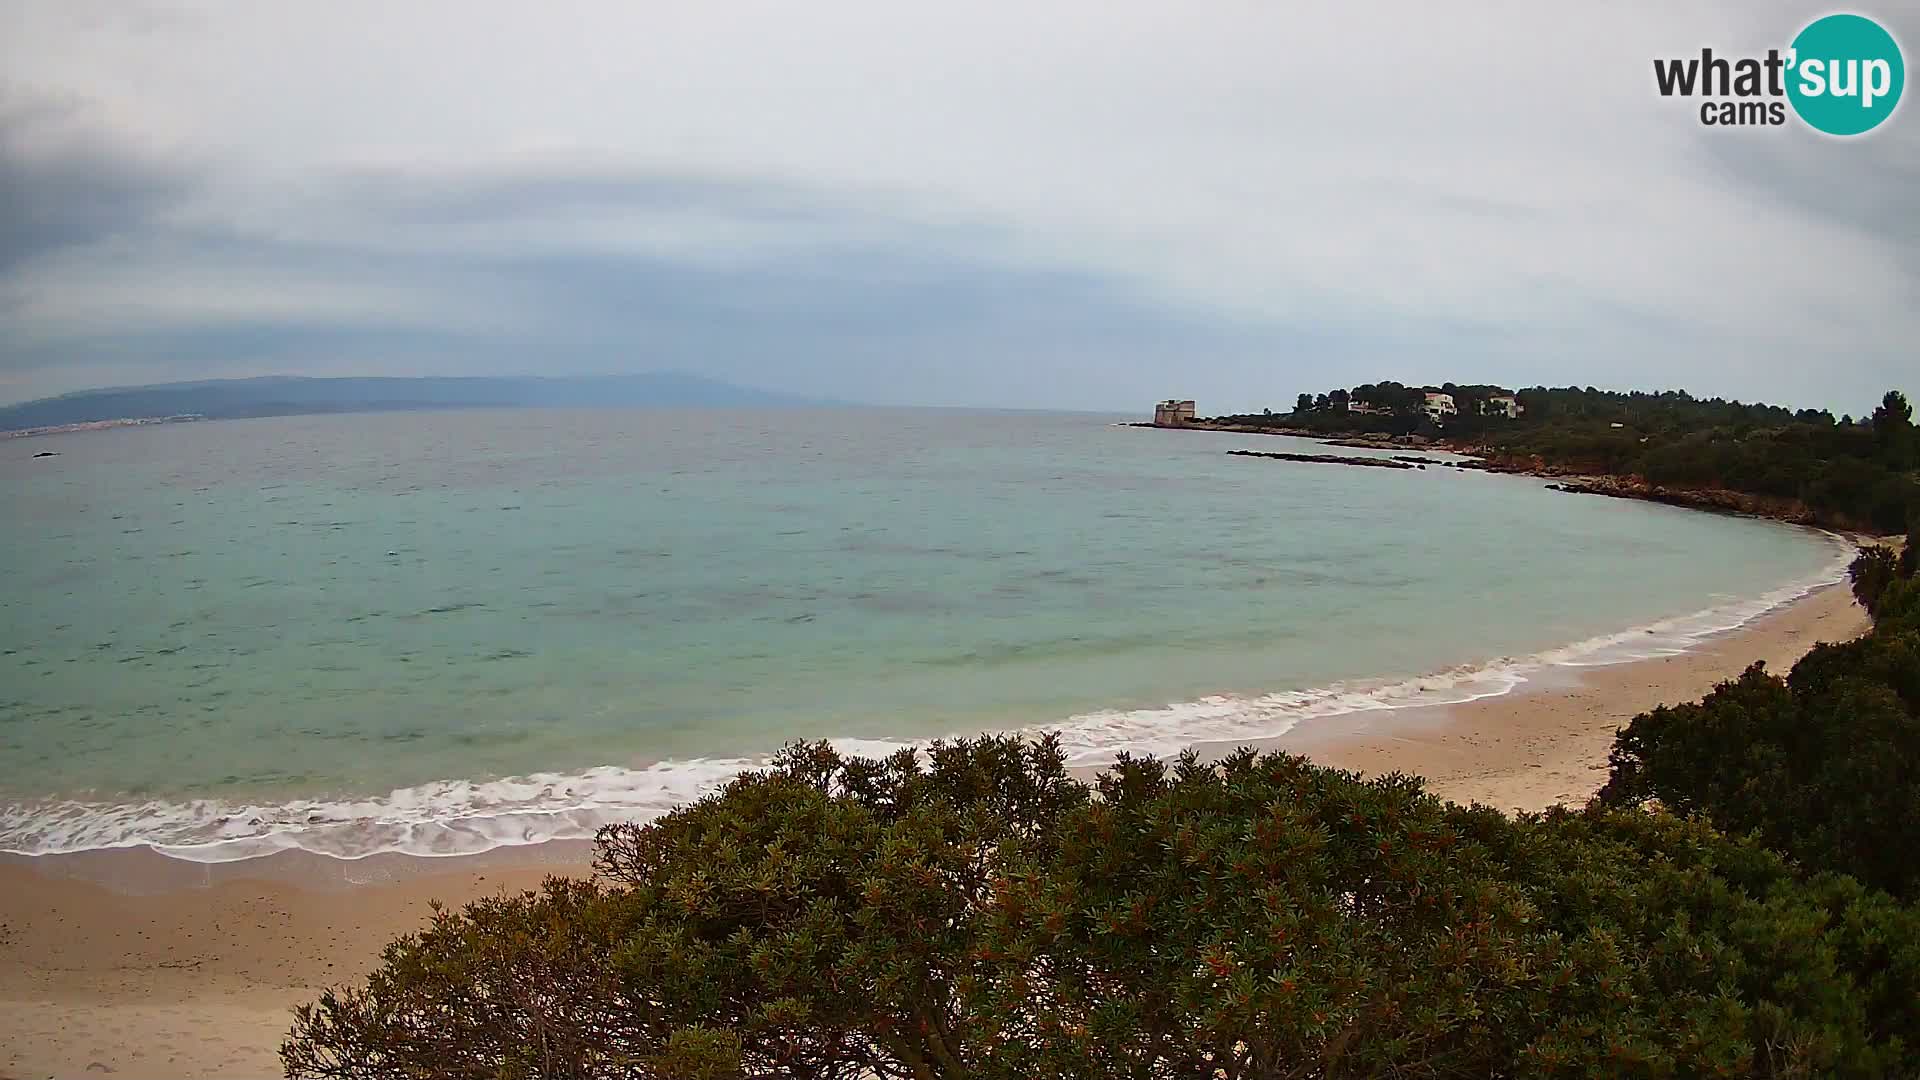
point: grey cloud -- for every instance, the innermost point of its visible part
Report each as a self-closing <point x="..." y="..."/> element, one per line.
<point x="489" y="193"/>
<point x="890" y="310"/>
<point x="1866" y="185"/>
<point x="137" y="17"/>
<point x="863" y="201"/>
<point x="69" y="183"/>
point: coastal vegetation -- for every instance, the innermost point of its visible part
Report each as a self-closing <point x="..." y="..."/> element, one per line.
<point x="978" y="912"/>
<point x="1737" y="903"/>
<point x="1824" y="764"/>
<point x="1844" y="473"/>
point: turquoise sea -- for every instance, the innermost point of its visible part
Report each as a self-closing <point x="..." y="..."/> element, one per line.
<point x="440" y="632"/>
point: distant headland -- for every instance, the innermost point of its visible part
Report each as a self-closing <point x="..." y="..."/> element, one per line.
<point x="225" y="399"/>
<point x="1803" y="466"/>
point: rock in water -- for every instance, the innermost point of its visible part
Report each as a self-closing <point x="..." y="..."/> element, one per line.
<point x="1328" y="459"/>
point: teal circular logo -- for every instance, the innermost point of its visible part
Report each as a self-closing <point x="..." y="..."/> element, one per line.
<point x="1845" y="74"/>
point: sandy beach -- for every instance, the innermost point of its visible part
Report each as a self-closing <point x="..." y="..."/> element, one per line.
<point x="129" y="962"/>
<point x="1547" y="742"/>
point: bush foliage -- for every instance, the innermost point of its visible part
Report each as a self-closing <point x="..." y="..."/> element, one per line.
<point x="1824" y="764"/>
<point x="976" y="911"/>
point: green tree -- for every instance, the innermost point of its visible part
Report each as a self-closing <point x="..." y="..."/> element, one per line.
<point x="1870" y="573"/>
<point x="1894" y="417"/>
<point x="975" y="911"/>
<point x="1824" y="765"/>
<point x="1893" y="429"/>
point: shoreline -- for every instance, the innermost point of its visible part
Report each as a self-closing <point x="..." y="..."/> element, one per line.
<point x="1573" y="481"/>
<point x="1546" y="742"/>
<point x="449" y="820"/>
<point x="97" y="425"/>
<point x="151" y="965"/>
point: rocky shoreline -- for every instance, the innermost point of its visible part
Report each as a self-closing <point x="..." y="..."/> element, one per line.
<point x="1716" y="499"/>
<point x="1331" y="459"/>
<point x="1569" y="480"/>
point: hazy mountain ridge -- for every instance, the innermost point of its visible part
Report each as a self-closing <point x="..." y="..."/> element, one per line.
<point x="288" y="395"/>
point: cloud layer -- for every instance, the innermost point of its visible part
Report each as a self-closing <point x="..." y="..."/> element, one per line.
<point x="1076" y="205"/>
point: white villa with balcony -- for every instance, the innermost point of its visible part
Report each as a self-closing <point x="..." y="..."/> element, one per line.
<point x="1505" y="405"/>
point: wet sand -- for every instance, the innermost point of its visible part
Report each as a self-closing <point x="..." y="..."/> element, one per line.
<point x="132" y="963"/>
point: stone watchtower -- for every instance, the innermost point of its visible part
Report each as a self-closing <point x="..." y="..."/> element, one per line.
<point x="1172" y="413"/>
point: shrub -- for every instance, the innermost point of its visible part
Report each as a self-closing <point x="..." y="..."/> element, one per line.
<point x="1823" y="765"/>
<point x="975" y="911"/>
<point x="1870" y="573"/>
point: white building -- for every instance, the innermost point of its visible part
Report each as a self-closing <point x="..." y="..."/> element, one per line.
<point x="1439" y="405"/>
<point x="1502" y="405"/>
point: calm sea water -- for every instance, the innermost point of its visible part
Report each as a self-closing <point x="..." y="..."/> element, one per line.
<point x="440" y="632"/>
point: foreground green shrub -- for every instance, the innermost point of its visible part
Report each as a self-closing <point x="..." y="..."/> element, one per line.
<point x="975" y="911"/>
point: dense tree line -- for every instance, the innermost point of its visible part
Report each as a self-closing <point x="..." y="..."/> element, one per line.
<point x="1848" y="474"/>
<point x="974" y="910"/>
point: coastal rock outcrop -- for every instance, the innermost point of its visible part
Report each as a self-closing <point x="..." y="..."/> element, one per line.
<point x="1329" y="459"/>
<point x="1720" y="499"/>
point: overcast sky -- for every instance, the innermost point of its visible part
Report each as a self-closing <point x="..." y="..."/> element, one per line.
<point x="1082" y="205"/>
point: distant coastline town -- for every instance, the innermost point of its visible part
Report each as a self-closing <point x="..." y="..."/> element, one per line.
<point x="100" y="425"/>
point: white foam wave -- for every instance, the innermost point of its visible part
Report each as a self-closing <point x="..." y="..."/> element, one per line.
<point x="461" y="817"/>
<point x="449" y="817"/>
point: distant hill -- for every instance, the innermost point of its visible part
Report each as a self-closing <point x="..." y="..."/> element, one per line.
<point x="284" y="396"/>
